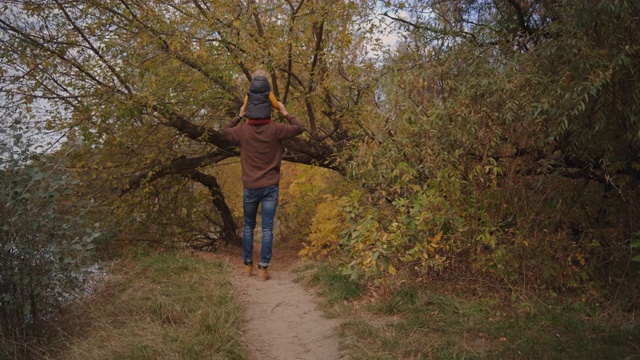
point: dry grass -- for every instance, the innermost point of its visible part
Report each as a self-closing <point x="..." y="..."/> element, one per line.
<point x="156" y="307"/>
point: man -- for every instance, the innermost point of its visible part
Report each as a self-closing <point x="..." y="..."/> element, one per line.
<point x="261" y="153"/>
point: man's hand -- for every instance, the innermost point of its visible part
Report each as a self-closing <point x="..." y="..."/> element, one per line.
<point x="282" y="110"/>
<point x="243" y="111"/>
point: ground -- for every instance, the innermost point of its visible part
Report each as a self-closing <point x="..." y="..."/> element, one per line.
<point x="282" y="319"/>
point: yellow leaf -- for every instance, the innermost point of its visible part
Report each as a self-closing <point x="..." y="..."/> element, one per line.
<point x="435" y="239"/>
<point x="392" y="270"/>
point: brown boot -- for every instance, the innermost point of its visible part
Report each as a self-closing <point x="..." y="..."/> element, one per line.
<point x="247" y="269"/>
<point x="263" y="273"/>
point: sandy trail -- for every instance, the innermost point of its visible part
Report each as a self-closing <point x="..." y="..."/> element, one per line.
<point x="282" y="320"/>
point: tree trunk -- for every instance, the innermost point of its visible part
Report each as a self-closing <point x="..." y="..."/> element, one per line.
<point x="228" y="233"/>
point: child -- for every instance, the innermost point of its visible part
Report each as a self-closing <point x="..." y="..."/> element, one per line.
<point x="259" y="100"/>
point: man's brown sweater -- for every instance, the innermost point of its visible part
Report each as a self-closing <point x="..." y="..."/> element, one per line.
<point x="261" y="149"/>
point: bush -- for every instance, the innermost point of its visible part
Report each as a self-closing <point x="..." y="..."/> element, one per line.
<point x="45" y="243"/>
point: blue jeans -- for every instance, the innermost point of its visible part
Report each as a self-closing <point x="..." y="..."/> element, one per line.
<point x="268" y="196"/>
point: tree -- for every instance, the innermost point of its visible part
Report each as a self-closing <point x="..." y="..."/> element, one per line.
<point x="147" y="86"/>
<point x="559" y="73"/>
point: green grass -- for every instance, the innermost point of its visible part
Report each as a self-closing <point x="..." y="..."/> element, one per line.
<point x="335" y="286"/>
<point x="336" y="289"/>
<point x="156" y="307"/>
<point x="424" y="323"/>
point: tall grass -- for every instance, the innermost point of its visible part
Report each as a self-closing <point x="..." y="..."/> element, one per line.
<point x="156" y="307"/>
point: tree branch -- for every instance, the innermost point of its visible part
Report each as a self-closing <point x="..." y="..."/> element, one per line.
<point x="181" y="165"/>
<point x="184" y="59"/>
<point x="92" y="48"/>
<point x="27" y="38"/>
<point x="318" y="31"/>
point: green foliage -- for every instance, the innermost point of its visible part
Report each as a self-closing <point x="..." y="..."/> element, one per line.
<point x="377" y="243"/>
<point x="413" y="227"/>
<point x="46" y="241"/>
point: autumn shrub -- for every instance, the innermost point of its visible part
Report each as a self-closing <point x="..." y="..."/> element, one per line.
<point x="303" y="192"/>
<point x="326" y="225"/>
<point x="522" y="233"/>
<point x="522" y="158"/>
<point x="433" y="205"/>
<point x="446" y="214"/>
<point x="419" y="233"/>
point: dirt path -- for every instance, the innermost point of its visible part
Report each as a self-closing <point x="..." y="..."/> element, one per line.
<point x="283" y="322"/>
<point x="282" y="319"/>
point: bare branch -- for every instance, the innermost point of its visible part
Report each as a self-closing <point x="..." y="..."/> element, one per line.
<point x="27" y="38"/>
<point x="93" y="48"/>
